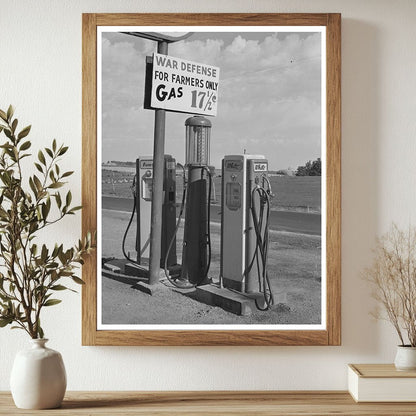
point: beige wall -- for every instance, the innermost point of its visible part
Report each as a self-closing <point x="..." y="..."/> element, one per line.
<point x="40" y="73"/>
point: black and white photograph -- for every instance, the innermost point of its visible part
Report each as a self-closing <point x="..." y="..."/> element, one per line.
<point x="225" y="226"/>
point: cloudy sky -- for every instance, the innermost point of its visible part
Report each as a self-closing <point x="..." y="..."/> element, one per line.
<point x="269" y="96"/>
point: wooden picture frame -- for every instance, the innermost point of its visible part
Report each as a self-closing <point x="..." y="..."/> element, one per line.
<point x="331" y="335"/>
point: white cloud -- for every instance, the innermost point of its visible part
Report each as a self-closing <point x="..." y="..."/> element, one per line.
<point x="269" y="95"/>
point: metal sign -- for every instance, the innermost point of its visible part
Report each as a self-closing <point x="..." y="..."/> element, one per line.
<point x="184" y="86"/>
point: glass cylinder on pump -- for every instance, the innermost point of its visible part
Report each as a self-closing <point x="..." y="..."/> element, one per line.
<point x="198" y="136"/>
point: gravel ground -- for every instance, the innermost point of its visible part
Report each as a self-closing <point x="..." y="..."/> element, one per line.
<point x="294" y="270"/>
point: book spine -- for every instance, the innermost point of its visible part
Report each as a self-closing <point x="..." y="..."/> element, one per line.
<point x="353" y="381"/>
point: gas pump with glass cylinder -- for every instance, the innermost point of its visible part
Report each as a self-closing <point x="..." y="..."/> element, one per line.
<point x="196" y="251"/>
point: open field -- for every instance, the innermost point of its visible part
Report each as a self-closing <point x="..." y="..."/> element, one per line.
<point x="292" y="193"/>
<point x="302" y="193"/>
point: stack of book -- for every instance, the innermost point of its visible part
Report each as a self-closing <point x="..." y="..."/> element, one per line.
<point x="381" y="383"/>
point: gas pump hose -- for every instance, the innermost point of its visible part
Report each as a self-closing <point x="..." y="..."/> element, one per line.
<point x="208" y="236"/>
<point x="123" y="244"/>
<point x="262" y="242"/>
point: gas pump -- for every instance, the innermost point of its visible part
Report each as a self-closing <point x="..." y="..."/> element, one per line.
<point x="143" y="201"/>
<point x="245" y="202"/>
<point x="196" y="251"/>
<point x="142" y="192"/>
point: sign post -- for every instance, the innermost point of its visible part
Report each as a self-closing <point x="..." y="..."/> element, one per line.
<point x="176" y="85"/>
<point x="157" y="196"/>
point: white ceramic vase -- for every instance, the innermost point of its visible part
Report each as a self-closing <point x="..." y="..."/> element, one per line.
<point x="405" y="358"/>
<point x="38" y="377"/>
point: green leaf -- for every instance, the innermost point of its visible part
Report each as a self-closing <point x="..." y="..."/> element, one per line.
<point x="58" y="199"/>
<point x="34" y="249"/>
<point x="40" y="332"/>
<point x="51" y="302"/>
<point x="5" y="321"/>
<point x="62" y="257"/>
<point x="5" y="145"/>
<point x="44" y="253"/>
<point x="39" y="167"/>
<point x="41" y="157"/>
<point x="55" y="251"/>
<point x="10" y="112"/>
<point x="8" y="133"/>
<point x="45" y="211"/>
<point x="37" y="182"/>
<point x="3" y="115"/>
<point x="59" y="287"/>
<point x="54" y="145"/>
<point x="56" y="185"/>
<point x="33" y="187"/>
<point x="25" y="145"/>
<point x="24" y="132"/>
<point x="68" y="199"/>
<point x="77" y="208"/>
<point x="49" y="152"/>
<point x="14" y="125"/>
<point x="63" y="150"/>
<point x="76" y="279"/>
<point x="66" y="174"/>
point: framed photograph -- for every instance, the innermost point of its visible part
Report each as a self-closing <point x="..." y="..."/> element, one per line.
<point x="211" y="172"/>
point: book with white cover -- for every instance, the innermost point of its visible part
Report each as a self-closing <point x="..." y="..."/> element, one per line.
<point x="381" y="383"/>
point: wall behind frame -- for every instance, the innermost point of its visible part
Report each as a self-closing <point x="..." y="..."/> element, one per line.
<point x="40" y="74"/>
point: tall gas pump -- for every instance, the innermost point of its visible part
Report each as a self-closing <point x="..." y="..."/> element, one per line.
<point x="246" y="195"/>
<point x="196" y="252"/>
<point x="142" y="194"/>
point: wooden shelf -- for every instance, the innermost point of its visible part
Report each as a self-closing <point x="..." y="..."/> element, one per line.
<point x="318" y="403"/>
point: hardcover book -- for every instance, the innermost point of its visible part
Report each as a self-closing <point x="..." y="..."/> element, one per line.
<point x="381" y="383"/>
